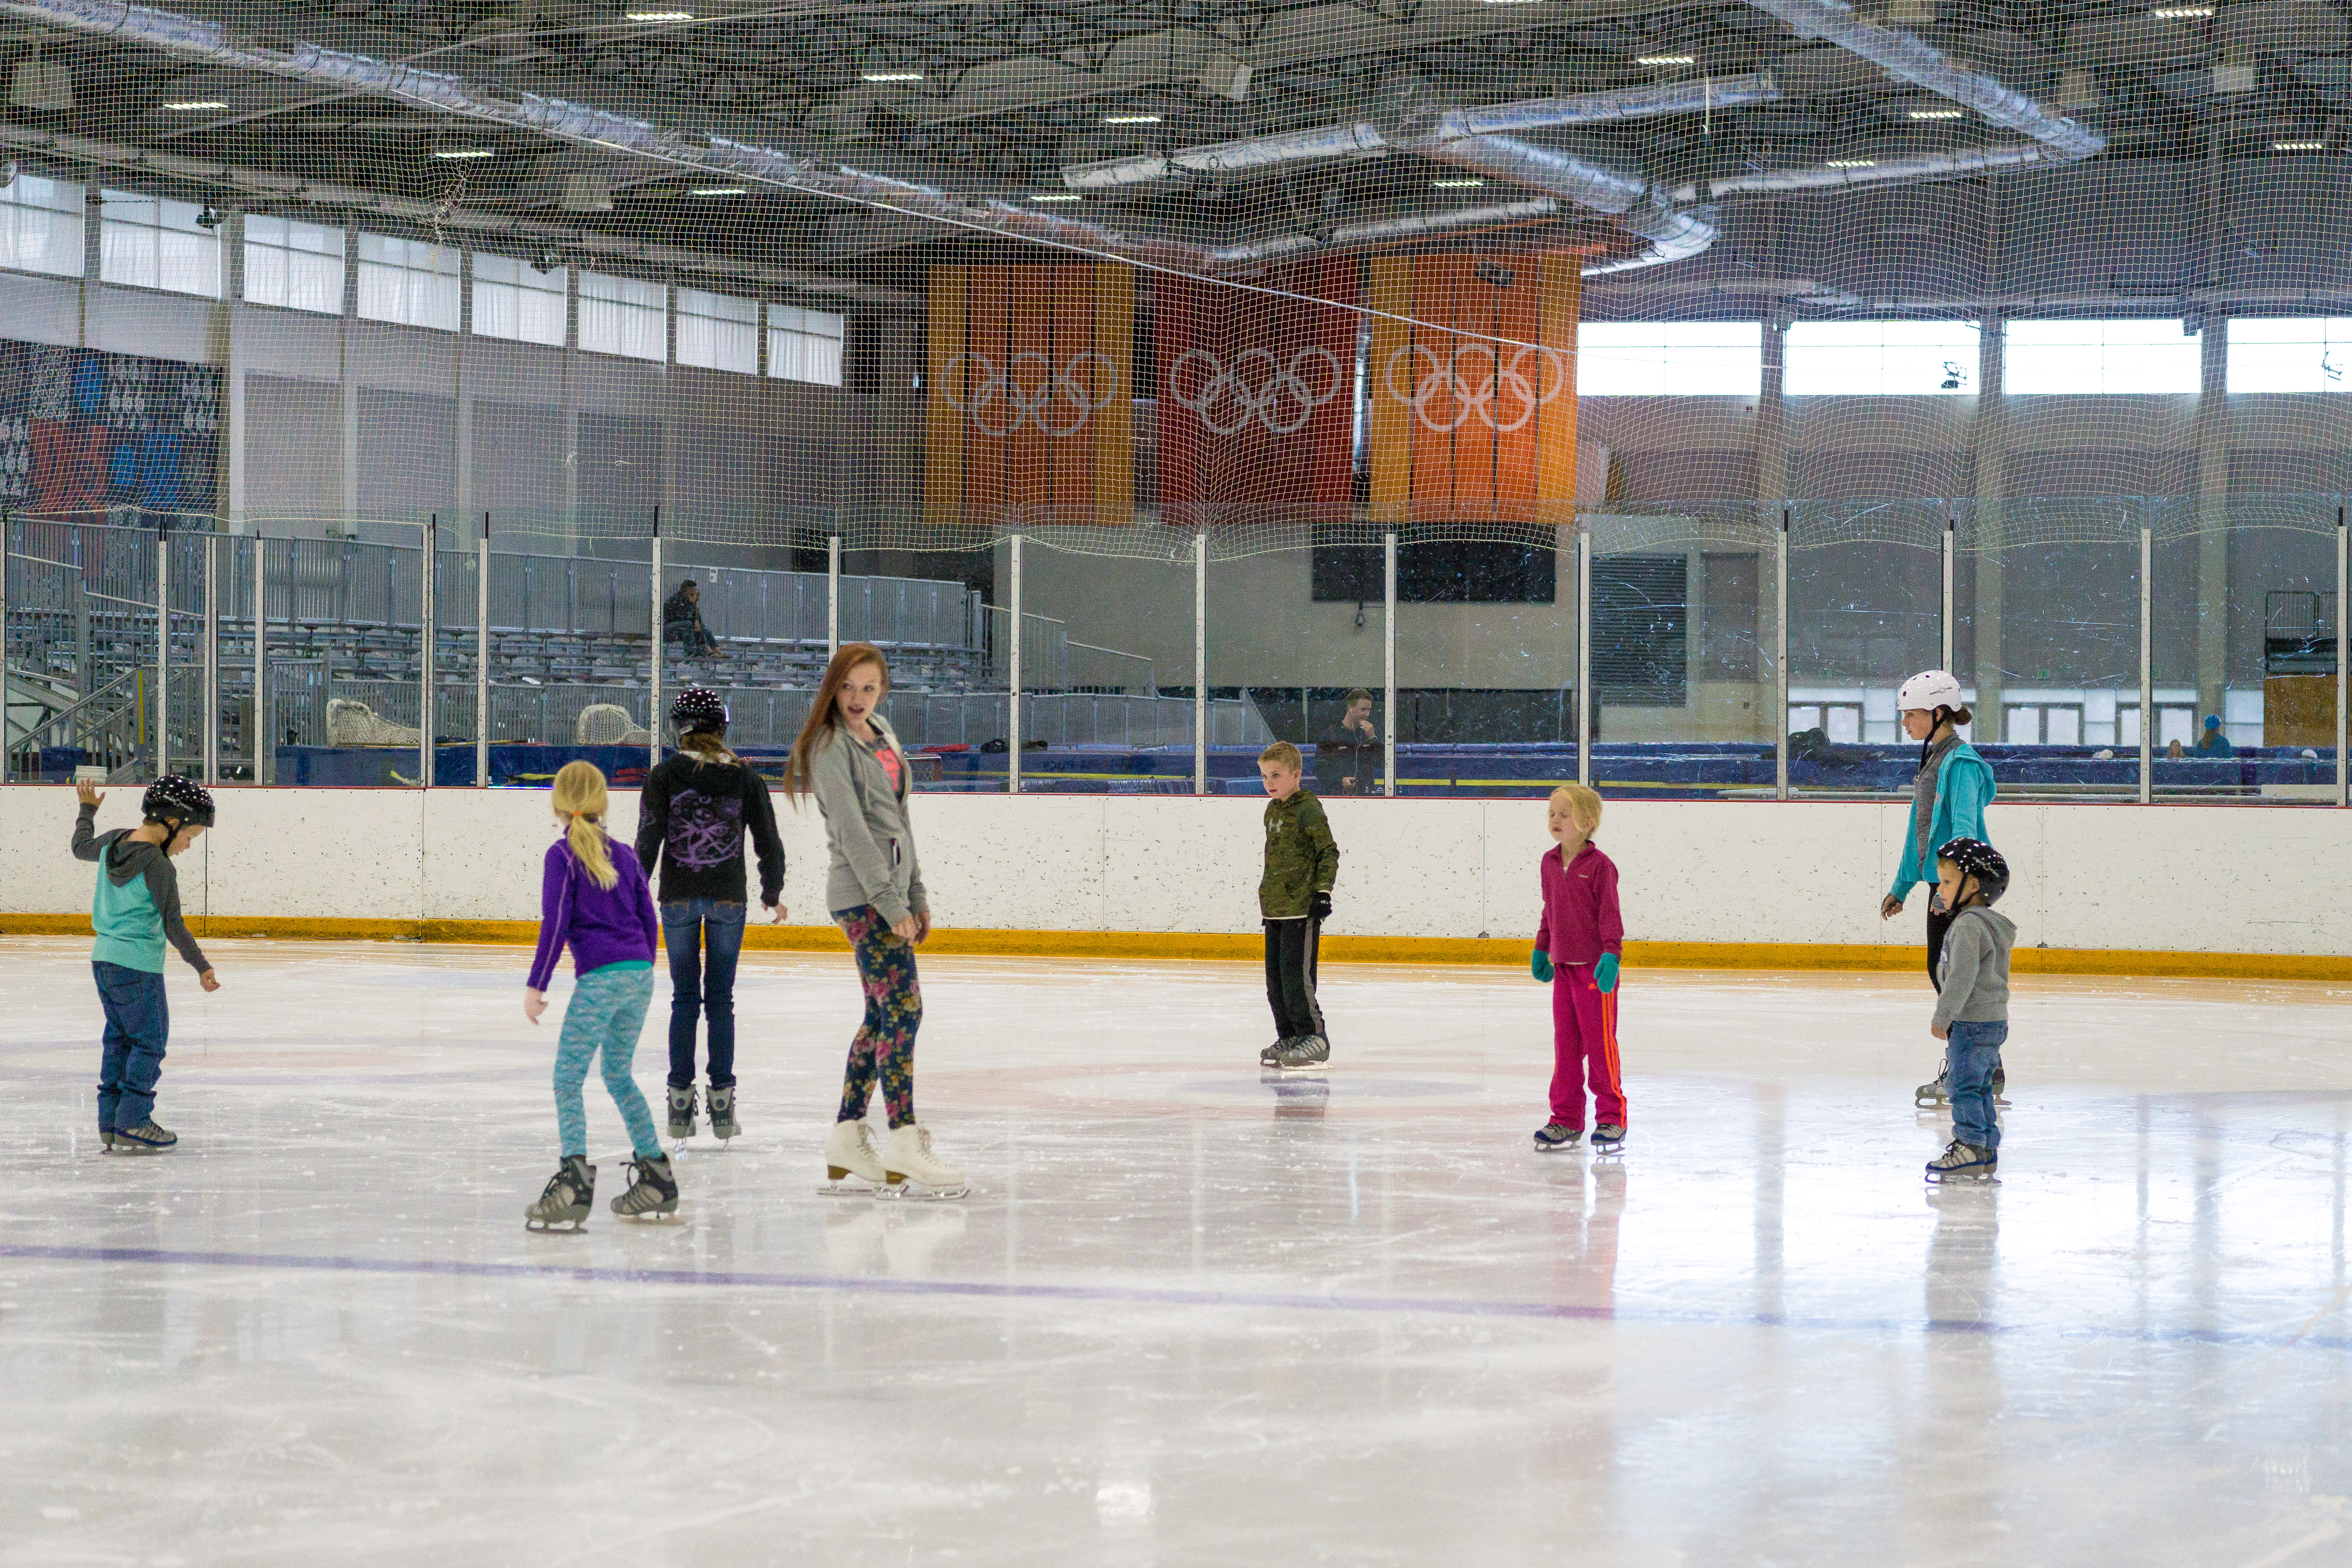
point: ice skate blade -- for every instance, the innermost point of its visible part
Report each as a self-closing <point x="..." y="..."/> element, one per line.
<point x="652" y="1216"/>
<point x="916" y="1192"/>
<point x="132" y="1147"/>
<point x="578" y="1227"/>
<point x="1963" y="1179"/>
<point x="841" y="1184"/>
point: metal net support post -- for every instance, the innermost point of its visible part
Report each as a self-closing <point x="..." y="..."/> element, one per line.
<point x="482" y="657"/>
<point x="7" y="528"/>
<point x="1388" y="661"/>
<point x="211" y="661"/>
<point x="425" y="632"/>
<point x="2343" y="677"/>
<point x="1583" y="654"/>
<point x="1200" y="662"/>
<point x="265" y="755"/>
<point x="831" y="597"/>
<point x="1780" y="659"/>
<point x="2147" y="663"/>
<point x="1951" y="579"/>
<point x="163" y="653"/>
<point x="653" y="704"/>
<point x="1012" y="687"/>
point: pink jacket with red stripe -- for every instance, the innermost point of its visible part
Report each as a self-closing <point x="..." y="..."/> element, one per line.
<point x="1581" y="919"/>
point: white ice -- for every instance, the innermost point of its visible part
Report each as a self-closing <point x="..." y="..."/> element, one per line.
<point x="1187" y="1316"/>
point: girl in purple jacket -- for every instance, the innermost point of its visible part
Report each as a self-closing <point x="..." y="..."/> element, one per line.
<point x="593" y="897"/>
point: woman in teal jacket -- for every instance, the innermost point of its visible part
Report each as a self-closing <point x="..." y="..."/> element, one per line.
<point x="1947" y="801"/>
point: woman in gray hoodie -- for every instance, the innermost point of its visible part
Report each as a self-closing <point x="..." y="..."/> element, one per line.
<point x="848" y="758"/>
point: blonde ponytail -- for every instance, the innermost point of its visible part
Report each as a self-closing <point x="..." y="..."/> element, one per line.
<point x="580" y="800"/>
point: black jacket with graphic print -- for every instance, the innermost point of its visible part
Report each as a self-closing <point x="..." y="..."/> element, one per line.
<point x="694" y="814"/>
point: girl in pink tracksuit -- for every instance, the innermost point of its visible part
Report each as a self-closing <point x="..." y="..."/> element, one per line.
<point x="1578" y="944"/>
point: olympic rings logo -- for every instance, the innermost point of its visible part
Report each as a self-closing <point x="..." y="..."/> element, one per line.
<point x="1281" y="400"/>
<point x="1504" y="381"/>
<point x="1029" y="391"/>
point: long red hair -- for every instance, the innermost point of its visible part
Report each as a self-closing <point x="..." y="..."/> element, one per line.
<point x="825" y="714"/>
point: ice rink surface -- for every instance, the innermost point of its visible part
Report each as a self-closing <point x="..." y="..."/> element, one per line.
<point x="1188" y="1316"/>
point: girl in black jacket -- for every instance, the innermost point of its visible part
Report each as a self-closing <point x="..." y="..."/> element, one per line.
<point x="696" y="806"/>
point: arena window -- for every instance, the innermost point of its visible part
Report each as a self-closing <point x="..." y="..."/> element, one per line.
<point x="804" y="344"/>
<point x="40" y="226"/>
<point x="1887" y="359"/>
<point x="294" y="265"/>
<point x="2290" y="354"/>
<point x="149" y="242"/>
<point x="514" y="299"/>
<point x="718" y="332"/>
<point x="408" y="281"/>
<point x="1669" y="359"/>
<point x="624" y="316"/>
<point x="2092" y="357"/>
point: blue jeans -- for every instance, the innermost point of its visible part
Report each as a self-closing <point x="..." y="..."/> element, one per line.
<point x="695" y="987"/>
<point x="606" y="1013"/>
<point x="138" y="1023"/>
<point x="1970" y="1057"/>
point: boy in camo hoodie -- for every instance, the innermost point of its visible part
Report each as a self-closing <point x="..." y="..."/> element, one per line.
<point x="1294" y="898"/>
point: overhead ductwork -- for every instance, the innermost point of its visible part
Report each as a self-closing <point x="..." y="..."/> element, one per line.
<point x="1363" y="137"/>
<point x="1884" y="171"/>
<point x="1386" y="231"/>
<point x="1674" y="236"/>
<point x="1914" y="59"/>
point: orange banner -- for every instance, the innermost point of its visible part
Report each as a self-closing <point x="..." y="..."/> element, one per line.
<point x="1029" y="413"/>
<point x="1472" y="388"/>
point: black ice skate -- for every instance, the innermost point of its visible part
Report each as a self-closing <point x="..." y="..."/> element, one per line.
<point x="682" y="1113"/>
<point x="652" y="1194"/>
<point x="1609" y="1139"/>
<point x="721" y="1102"/>
<point x="145" y="1139"/>
<point x="566" y="1200"/>
<point x="1272" y="1056"/>
<point x="1963" y="1163"/>
<point x="1307" y="1052"/>
<point x="1554" y="1136"/>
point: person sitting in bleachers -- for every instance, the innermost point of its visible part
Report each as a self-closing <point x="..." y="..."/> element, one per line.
<point x="2215" y="743"/>
<point x="682" y="623"/>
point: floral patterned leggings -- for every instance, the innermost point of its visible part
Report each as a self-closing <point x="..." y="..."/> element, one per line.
<point x="885" y="1044"/>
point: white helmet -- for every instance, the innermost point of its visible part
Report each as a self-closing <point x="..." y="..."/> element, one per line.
<point x="1928" y="690"/>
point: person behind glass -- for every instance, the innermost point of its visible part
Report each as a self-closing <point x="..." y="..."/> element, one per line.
<point x="2215" y="743"/>
<point x="1949" y="798"/>
<point x="696" y="805"/>
<point x="848" y="758"/>
<point x="1348" y="761"/>
<point x="682" y="622"/>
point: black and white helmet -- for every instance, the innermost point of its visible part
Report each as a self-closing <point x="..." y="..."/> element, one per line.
<point x="698" y="708"/>
<point x="1977" y="859"/>
<point x="179" y="800"/>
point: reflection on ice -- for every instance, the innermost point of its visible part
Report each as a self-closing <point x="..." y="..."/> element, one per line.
<point x="1190" y="1313"/>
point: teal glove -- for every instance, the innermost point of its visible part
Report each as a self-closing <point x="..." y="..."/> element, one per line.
<point x="1604" y="974"/>
<point x="1539" y="965"/>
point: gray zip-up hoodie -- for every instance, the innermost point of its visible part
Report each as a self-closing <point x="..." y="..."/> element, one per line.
<point x="1975" y="968"/>
<point x="866" y="826"/>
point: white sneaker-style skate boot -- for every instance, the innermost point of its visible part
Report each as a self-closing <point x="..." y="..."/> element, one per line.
<point x="914" y="1172"/>
<point x="851" y="1165"/>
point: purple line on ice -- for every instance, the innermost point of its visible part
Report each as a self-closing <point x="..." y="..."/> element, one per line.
<point x="1142" y="1296"/>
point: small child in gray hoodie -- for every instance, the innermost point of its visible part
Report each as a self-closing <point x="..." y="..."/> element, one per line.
<point x="1972" y="1004"/>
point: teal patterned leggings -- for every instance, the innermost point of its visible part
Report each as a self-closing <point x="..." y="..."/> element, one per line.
<point x="604" y="1016"/>
<point x="885" y="1044"/>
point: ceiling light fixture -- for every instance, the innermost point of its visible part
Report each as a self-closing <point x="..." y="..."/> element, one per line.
<point x="456" y="153"/>
<point x="1454" y="185"/>
<point x="2181" y="13"/>
<point x="1130" y="120"/>
<point x="1854" y="163"/>
<point x="890" y="76"/>
<point x="191" y="105"/>
<point x="659" y="16"/>
<point x="2298" y="146"/>
<point x="1665" y="60"/>
<point x="1054" y="196"/>
<point x="718" y="190"/>
<point x="1937" y="113"/>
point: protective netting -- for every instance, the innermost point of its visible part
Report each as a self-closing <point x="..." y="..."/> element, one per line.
<point x="1124" y="356"/>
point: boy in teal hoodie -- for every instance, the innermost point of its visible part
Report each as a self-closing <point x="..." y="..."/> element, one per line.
<point x="135" y="910"/>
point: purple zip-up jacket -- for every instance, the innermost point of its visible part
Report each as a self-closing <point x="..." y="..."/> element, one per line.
<point x="603" y="925"/>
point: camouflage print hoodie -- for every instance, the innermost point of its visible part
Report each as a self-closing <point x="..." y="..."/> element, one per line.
<point x="1301" y="858"/>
